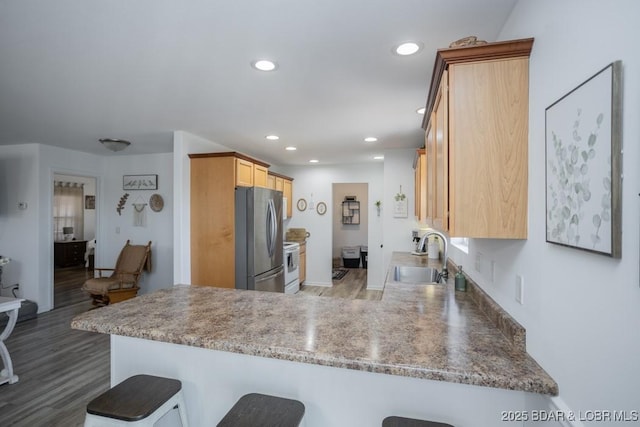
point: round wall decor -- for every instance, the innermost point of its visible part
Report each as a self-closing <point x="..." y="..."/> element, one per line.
<point x="302" y="205"/>
<point x="321" y="208"/>
<point x="156" y="203"/>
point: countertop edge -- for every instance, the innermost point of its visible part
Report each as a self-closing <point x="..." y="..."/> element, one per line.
<point x="280" y="353"/>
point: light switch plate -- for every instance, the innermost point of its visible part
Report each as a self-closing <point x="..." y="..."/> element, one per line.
<point x="520" y="289"/>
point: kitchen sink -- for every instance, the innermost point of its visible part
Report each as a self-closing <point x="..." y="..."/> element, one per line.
<point x="417" y="275"/>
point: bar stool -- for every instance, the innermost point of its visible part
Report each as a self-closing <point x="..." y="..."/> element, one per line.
<point x="410" y="422"/>
<point x="140" y="400"/>
<point x="261" y="410"/>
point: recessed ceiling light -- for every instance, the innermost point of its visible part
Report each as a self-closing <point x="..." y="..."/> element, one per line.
<point x="314" y="161"/>
<point x="421" y="110"/>
<point x="272" y="137"/>
<point x="378" y="158"/>
<point x="290" y="148"/>
<point x="264" y="65"/>
<point x="408" y="48"/>
<point x="370" y="139"/>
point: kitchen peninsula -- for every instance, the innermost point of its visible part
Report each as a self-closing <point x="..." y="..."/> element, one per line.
<point x="423" y="351"/>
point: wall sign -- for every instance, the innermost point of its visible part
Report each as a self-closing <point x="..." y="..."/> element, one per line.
<point x="140" y="182"/>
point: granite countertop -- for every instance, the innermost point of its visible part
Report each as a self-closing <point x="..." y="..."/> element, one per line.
<point x="421" y="331"/>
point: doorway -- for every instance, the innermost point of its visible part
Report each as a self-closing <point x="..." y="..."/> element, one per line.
<point x="74" y="234"/>
<point x="350" y="227"/>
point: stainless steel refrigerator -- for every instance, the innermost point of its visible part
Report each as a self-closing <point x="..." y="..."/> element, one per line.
<point x="259" y="251"/>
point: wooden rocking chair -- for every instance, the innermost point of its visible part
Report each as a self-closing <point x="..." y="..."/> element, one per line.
<point x="122" y="284"/>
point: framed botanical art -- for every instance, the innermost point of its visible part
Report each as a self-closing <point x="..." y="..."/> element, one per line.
<point x="583" y="165"/>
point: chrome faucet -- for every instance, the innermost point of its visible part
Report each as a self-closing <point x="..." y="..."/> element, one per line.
<point x="423" y="241"/>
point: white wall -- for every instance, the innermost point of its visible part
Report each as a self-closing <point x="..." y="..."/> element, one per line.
<point x="581" y="310"/>
<point x="350" y="234"/>
<point x="27" y="174"/>
<point x="116" y="229"/>
<point x="318" y="180"/>
<point x="398" y="172"/>
<point x="19" y="229"/>
<point x="26" y="235"/>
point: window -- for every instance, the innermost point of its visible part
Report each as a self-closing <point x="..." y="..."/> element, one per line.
<point x="68" y="209"/>
<point x="461" y="243"/>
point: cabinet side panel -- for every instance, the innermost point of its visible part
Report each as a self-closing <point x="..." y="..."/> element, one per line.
<point x="488" y="147"/>
<point x="441" y="200"/>
<point x="212" y="222"/>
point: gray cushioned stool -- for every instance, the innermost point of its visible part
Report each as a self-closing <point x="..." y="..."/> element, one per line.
<point x="140" y="400"/>
<point x="410" y="422"/>
<point x="261" y="410"/>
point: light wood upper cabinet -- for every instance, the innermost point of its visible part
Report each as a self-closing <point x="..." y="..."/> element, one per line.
<point x="420" y="172"/>
<point x="279" y="183"/>
<point x="244" y="173"/>
<point x="251" y="173"/>
<point x="440" y="158"/>
<point x="477" y="113"/>
<point x="271" y="181"/>
<point x="287" y="192"/>
<point x="260" y="174"/>
<point x="285" y="184"/>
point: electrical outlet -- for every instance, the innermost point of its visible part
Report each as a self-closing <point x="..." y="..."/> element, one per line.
<point x="479" y="260"/>
<point x="520" y="289"/>
<point x="117" y="230"/>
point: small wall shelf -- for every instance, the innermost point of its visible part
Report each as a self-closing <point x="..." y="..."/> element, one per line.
<point x="350" y="212"/>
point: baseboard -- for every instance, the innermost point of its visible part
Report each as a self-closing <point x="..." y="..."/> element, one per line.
<point x="569" y="418"/>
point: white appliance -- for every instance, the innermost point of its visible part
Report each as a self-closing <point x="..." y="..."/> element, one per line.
<point x="291" y="267"/>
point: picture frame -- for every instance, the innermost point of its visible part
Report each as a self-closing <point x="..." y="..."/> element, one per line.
<point x="321" y="208"/>
<point x="583" y="181"/>
<point x="89" y="202"/>
<point x="140" y="182"/>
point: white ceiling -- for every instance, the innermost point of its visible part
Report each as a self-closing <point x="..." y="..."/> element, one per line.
<point x="73" y="71"/>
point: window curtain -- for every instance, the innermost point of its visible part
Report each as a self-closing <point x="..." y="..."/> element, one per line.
<point x="68" y="209"/>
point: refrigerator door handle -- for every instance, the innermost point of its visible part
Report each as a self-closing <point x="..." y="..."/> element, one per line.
<point x="271" y="276"/>
<point x="271" y="228"/>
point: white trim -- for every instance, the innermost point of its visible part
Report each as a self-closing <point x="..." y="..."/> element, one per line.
<point x="557" y="404"/>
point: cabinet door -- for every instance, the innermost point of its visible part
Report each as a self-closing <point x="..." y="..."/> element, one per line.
<point x="213" y="221"/>
<point x="302" y="270"/>
<point x="429" y="179"/>
<point x="279" y="184"/>
<point x="287" y="192"/>
<point x="244" y="173"/>
<point x="271" y="182"/>
<point x="421" y="186"/>
<point x="440" y="158"/>
<point x="488" y="110"/>
<point x="260" y="174"/>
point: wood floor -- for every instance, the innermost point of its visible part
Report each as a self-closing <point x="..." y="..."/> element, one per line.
<point x="61" y="369"/>
<point x="351" y="286"/>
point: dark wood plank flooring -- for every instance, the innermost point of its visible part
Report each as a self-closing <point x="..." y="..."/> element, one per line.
<point x="60" y="370"/>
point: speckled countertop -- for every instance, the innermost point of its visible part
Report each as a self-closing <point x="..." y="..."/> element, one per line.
<point x="420" y="331"/>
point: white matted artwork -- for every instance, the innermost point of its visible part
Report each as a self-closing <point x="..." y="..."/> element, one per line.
<point x="583" y="160"/>
<point x="400" y="205"/>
